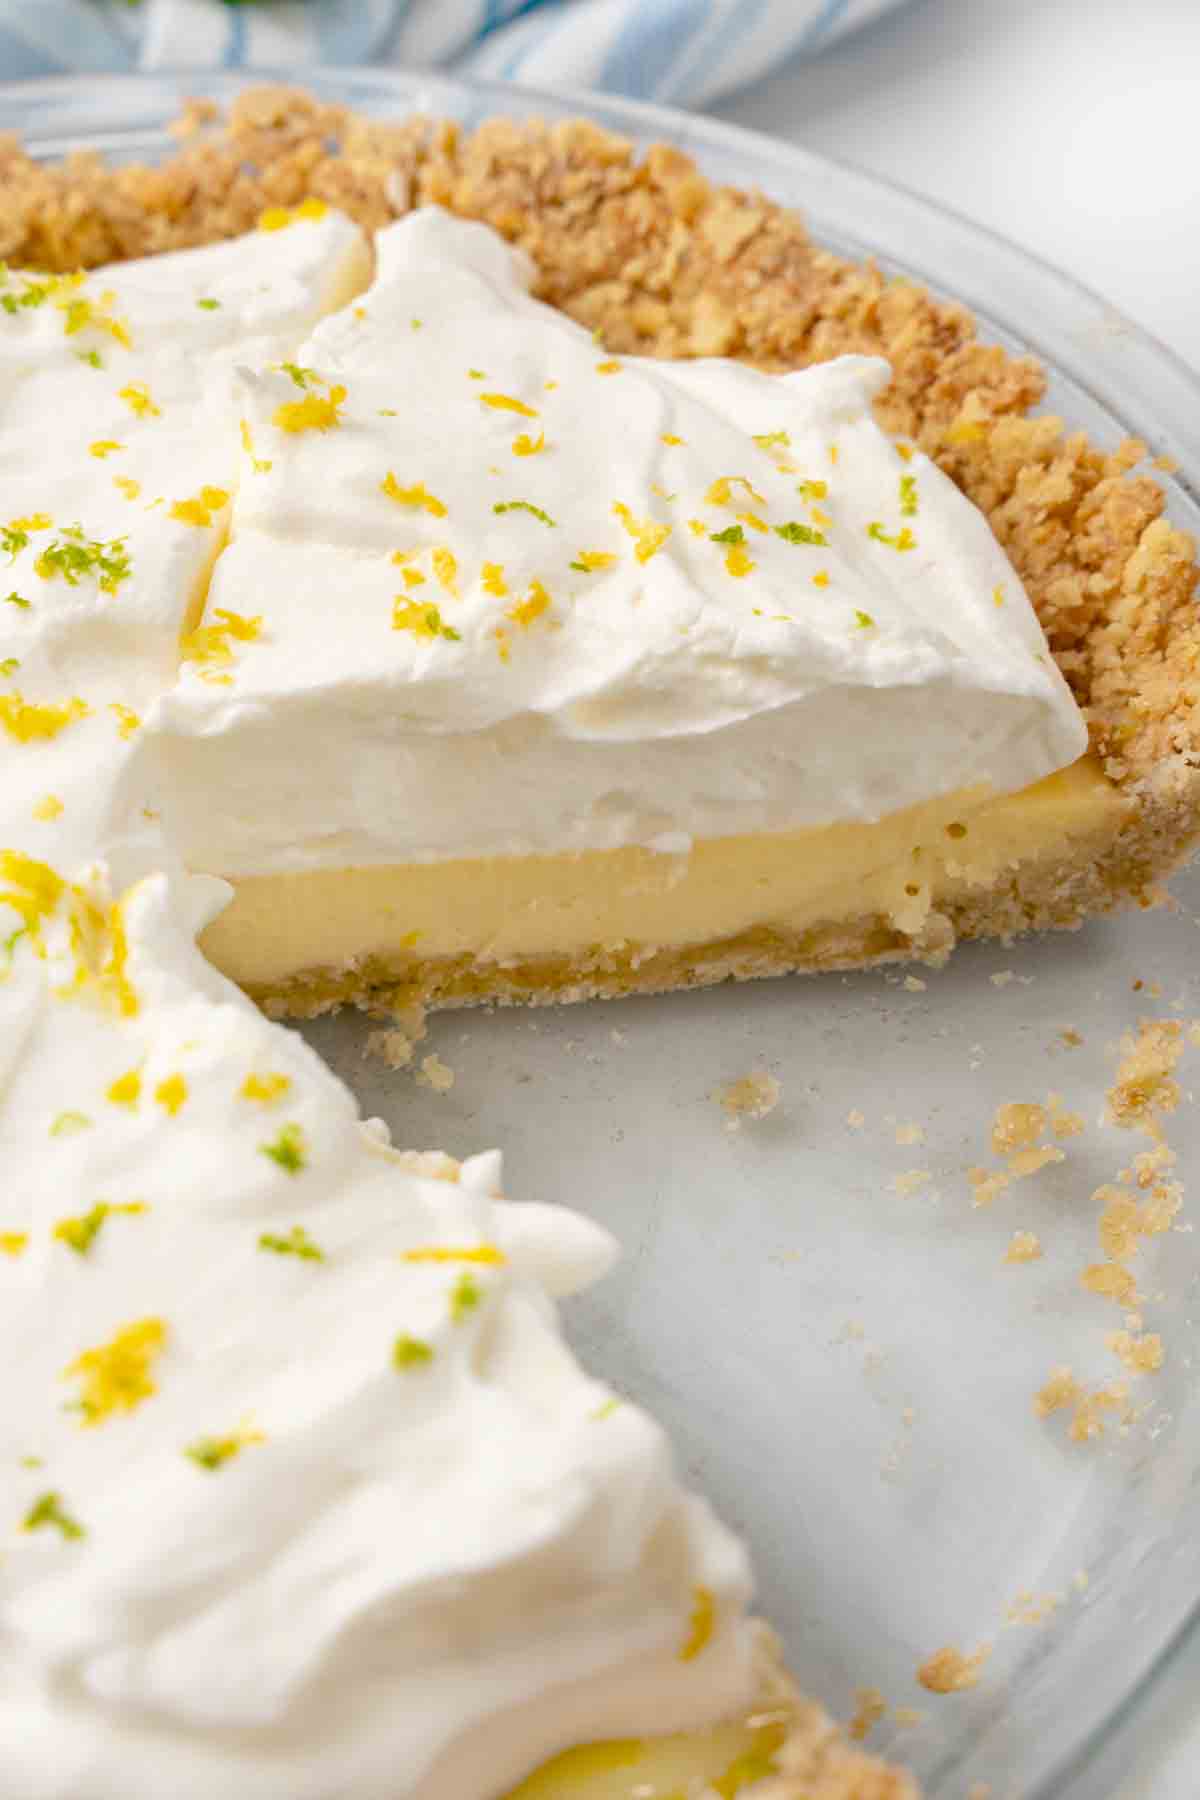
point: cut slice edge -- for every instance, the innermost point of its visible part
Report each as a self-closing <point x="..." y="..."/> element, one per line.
<point x="611" y="923"/>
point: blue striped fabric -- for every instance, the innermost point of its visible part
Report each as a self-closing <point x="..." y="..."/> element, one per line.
<point x="685" y="51"/>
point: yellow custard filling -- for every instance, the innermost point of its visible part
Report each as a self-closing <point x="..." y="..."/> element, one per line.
<point x="507" y="909"/>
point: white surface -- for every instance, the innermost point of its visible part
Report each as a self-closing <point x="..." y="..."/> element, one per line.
<point x="1072" y="127"/>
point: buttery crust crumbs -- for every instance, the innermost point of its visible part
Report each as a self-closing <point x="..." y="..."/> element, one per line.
<point x="1145" y="1086"/>
<point x="435" y="1074"/>
<point x="949" y="1671"/>
<point x="1088" y="1406"/>
<point x="657" y="261"/>
<point x="753" y="1096"/>
<point x="1023" y="1247"/>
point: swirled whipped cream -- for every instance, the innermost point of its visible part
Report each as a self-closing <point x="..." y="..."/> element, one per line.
<point x="301" y="1493"/>
<point x="531" y="598"/>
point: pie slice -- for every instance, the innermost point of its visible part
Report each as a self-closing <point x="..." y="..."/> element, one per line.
<point x="579" y="674"/>
<point x="655" y="261"/>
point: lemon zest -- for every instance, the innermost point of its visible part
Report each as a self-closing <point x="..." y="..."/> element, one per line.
<point x="67" y="1124"/>
<point x="445" y="567"/>
<point x="116" y="1377"/>
<point x="201" y="507"/>
<point x="28" y="722"/>
<point x="488" y="1254"/>
<point x="410" y="1352"/>
<point x="127" y="720"/>
<point x="210" y="644"/>
<point x="212" y="1453"/>
<point x="700" y="1627"/>
<point x="79" y="1234"/>
<point x="136" y="396"/>
<point x="721" y="491"/>
<point x="48" y="1509"/>
<point x="171" y="1094"/>
<point x="296" y="1243"/>
<point x="257" y="463"/>
<point x="506" y="403"/>
<point x="536" y="602"/>
<point x="316" y="412"/>
<point x="507" y="506"/>
<point x="126" y="1090"/>
<point x="648" y="535"/>
<point x="422" y="619"/>
<point x="278" y="218"/>
<point x="417" y="495"/>
<point x="264" y="1090"/>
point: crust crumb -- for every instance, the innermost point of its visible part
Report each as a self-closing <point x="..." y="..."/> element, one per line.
<point x="985" y="1185"/>
<point x="1088" y="1410"/>
<point x="1032" y="1609"/>
<point x="753" y="1096"/>
<point x="1016" y="1126"/>
<point x="435" y="1074"/>
<point x="1142" y="1355"/>
<point x="394" y="1047"/>
<point x="1145" y="1087"/>
<point x="949" y="1671"/>
<point x="1111" y="1282"/>
<point x="1029" y="1162"/>
<point x="1023" y="1247"/>
<point x="870" y="1707"/>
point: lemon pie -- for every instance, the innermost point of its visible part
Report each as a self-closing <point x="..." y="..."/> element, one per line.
<point x="655" y="262"/>
<point x="566" y="674"/>
<point x="478" y="658"/>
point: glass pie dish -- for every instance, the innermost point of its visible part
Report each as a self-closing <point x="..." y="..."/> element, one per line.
<point x="812" y="1302"/>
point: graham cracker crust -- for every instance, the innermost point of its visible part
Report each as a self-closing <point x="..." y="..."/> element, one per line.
<point x="660" y="262"/>
<point x="816" y="1760"/>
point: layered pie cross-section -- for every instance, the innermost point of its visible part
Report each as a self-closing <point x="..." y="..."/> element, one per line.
<point x="380" y="631"/>
<point x="558" y="673"/>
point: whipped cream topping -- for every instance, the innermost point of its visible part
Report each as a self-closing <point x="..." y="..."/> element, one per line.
<point x="568" y="601"/>
<point x="301" y="1493"/>
<point x="118" y="459"/>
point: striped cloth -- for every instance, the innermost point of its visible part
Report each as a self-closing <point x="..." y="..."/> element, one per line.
<point x="684" y="52"/>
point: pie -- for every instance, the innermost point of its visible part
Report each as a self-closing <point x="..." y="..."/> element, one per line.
<point x="658" y="263"/>
<point x="266" y="626"/>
